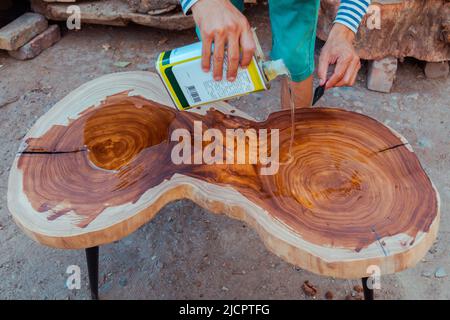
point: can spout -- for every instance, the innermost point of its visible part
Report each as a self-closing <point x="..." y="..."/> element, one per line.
<point x="259" y="53"/>
<point x="274" y="68"/>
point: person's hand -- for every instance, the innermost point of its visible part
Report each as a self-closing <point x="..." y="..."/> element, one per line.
<point x="339" y="50"/>
<point x="224" y="25"/>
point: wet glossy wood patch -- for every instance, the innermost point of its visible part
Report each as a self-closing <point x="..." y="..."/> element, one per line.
<point x="350" y="181"/>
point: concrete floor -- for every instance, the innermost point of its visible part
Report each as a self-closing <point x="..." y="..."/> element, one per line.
<point x="187" y="252"/>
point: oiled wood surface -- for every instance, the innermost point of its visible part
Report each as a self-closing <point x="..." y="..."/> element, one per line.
<point x="349" y="183"/>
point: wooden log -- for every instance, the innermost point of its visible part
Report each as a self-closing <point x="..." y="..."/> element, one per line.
<point x="115" y="13"/>
<point x="412" y="28"/>
<point x="153" y="6"/>
<point x="98" y="165"/>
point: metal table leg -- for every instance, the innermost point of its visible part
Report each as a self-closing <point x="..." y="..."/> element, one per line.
<point x="368" y="293"/>
<point x="92" y="264"/>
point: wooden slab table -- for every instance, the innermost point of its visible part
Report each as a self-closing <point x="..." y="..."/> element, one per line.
<point x="97" y="166"/>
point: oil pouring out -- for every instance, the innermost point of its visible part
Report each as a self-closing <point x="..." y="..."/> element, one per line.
<point x="189" y="86"/>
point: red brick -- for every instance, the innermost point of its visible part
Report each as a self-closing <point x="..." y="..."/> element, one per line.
<point x="38" y="44"/>
<point x="382" y="74"/>
<point x="435" y="70"/>
<point x="20" y="31"/>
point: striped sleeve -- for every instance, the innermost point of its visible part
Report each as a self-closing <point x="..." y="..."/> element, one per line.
<point x="187" y="4"/>
<point x="351" y="12"/>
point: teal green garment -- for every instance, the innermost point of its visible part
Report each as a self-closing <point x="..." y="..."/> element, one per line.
<point x="293" y="24"/>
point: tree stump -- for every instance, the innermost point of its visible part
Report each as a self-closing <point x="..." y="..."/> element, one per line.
<point x="98" y="165"/>
<point x="397" y="28"/>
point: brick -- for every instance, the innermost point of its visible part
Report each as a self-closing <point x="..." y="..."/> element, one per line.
<point x="20" y="31"/>
<point x="38" y="44"/>
<point x="382" y="74"/>
<point x="435" y="70"/>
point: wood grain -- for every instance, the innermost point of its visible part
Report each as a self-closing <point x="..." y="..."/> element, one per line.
<point x="411" y="28"/>
<point x="354" y="194"/>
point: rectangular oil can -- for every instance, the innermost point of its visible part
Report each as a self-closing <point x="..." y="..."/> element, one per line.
<point x="189" y="86"/>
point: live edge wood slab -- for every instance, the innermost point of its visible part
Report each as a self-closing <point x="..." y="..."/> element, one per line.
<point x="97" y="166"/>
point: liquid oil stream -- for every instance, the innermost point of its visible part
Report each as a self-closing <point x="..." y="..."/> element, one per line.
<point x="273" y="69"/>
<point x="292" y="106"/>
<point x="292" y="135"/>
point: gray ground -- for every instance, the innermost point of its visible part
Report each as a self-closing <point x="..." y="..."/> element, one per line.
<point x="187" y="252"/>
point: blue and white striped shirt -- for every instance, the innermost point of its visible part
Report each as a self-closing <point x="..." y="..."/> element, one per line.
<point x="350" y="12"/>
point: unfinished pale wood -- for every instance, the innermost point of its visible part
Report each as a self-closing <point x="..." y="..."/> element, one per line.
<point x="408" y="28"/>
<point x="391" y="253"/>
<point x="114" y="13"/>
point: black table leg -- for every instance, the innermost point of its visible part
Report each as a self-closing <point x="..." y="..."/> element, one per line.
<point x="92" y="264"/>
<point x="368" y="293"/>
